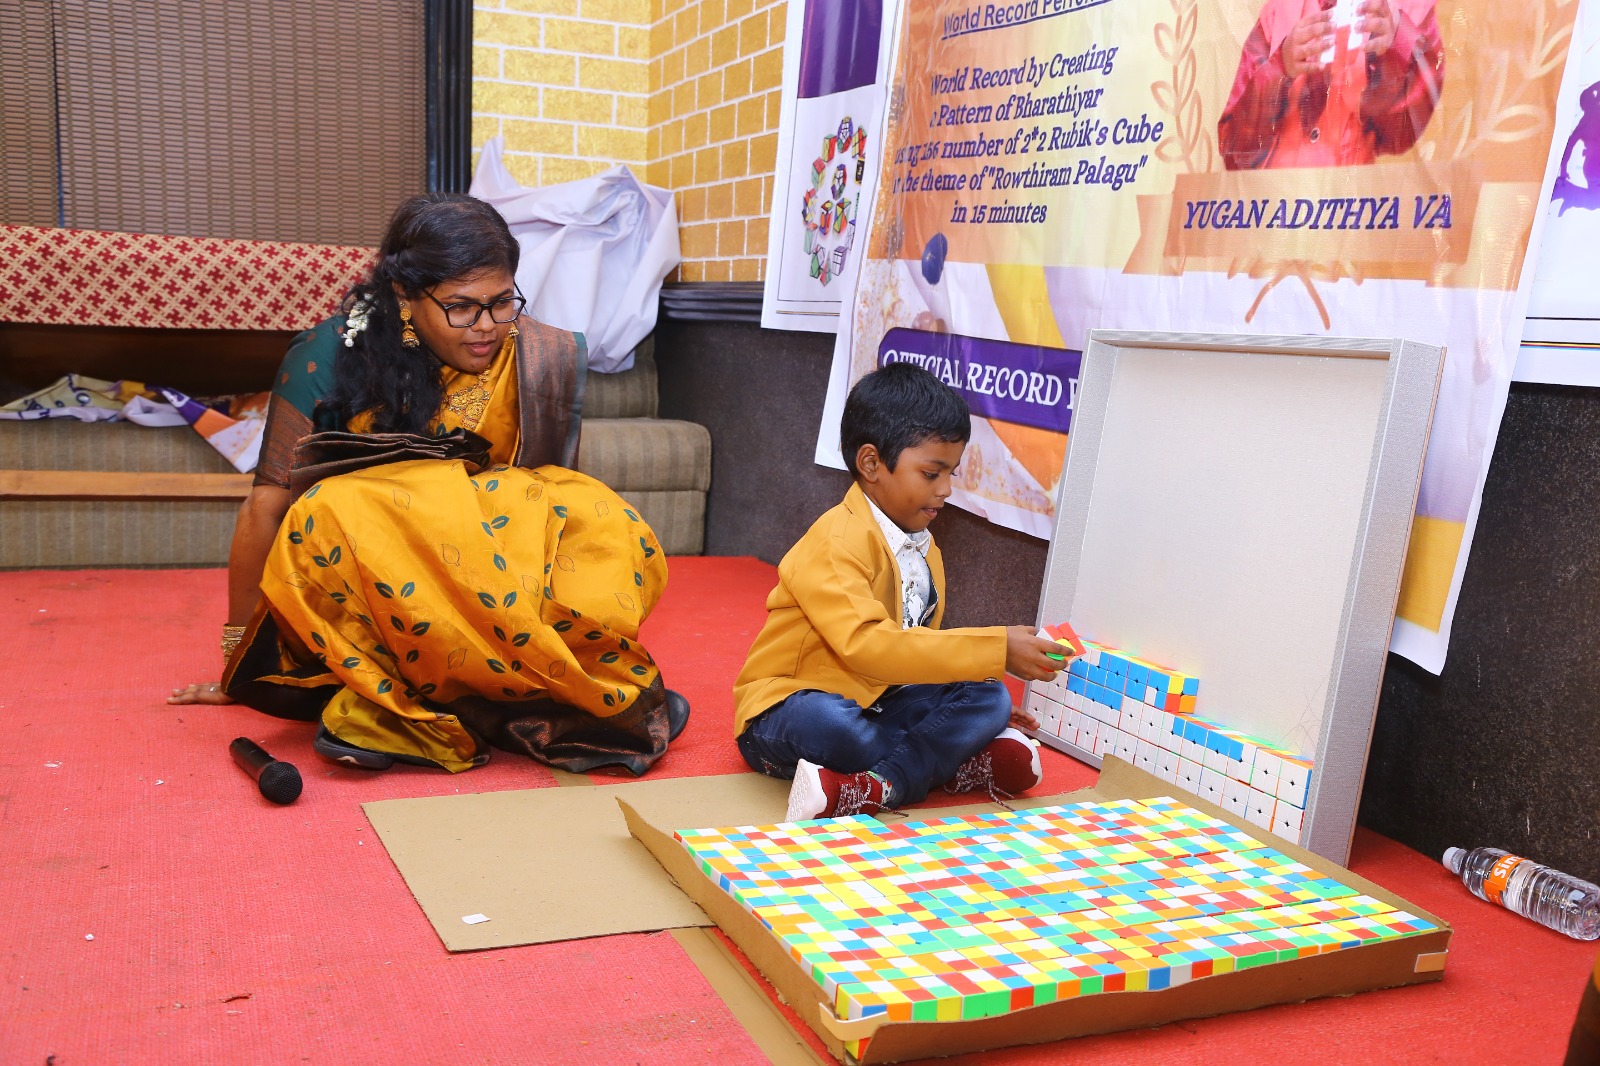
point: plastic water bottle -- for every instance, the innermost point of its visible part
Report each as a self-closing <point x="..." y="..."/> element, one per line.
<point x="1553" y="899"/>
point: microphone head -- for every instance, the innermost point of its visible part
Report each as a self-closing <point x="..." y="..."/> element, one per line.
<point x="280" y="783"/>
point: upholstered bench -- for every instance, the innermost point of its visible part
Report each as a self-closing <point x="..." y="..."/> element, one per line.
<point x="119" y="494"/>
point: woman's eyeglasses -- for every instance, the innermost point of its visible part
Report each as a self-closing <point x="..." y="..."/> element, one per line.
<point x="465" y="314"/>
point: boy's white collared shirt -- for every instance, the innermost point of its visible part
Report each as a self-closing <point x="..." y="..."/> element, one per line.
<point x="910" y="551"/>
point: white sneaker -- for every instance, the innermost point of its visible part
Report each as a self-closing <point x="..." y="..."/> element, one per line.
<point x="806" y="798"/>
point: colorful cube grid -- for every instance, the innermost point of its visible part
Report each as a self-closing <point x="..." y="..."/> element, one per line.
<point x="973" y="916"/>
<point x="1111" y="703"/>
<point x="1111" y="678"/>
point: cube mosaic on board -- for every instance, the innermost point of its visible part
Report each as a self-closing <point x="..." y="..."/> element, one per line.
<point x="969" y="917"/>
<point x="1111" y="703"/>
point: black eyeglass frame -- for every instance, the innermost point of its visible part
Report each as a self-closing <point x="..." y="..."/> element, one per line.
<point x="519" y="301"/>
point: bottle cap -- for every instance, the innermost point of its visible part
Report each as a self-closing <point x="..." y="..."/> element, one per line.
<point x="1452" y="859"/>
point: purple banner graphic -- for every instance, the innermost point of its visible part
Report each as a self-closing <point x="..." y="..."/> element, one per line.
<point x="839" y="46"/>
<point x="1020" y="383"/>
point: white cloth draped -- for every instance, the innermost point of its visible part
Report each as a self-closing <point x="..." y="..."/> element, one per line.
<point x="594" y="252"/>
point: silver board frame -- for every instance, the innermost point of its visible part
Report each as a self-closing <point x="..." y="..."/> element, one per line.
<point x="1359" y="643"/>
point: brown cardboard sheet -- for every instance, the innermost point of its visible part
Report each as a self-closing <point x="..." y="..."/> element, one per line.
<point x="556" y="863"/>
<point x="1409" y="961"/>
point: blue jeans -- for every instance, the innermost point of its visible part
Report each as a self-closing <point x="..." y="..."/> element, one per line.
<point x="914" y="737"/>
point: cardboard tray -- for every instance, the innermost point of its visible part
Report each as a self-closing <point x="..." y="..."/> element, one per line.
<point x="1408" y="961"/>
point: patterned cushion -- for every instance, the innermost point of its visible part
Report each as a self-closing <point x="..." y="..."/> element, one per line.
<point x="93" y="533"/>
<point x="67" y="444"/>
<point x="630" y="394"/>
<point x="646" y="454"/>
<point x="679" y="518"/>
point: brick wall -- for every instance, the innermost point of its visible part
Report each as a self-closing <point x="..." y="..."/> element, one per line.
<point x="716" y="69"/>
<point x="683" y="91"/>
<point x="567" y="82"/>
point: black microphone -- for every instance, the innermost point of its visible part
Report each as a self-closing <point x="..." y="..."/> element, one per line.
<point x="278" y="781"/>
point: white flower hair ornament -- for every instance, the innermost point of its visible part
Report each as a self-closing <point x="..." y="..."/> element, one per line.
<point x="356" y="320"/>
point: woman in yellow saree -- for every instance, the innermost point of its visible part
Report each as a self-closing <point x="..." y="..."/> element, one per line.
<point x="418" y="569"/>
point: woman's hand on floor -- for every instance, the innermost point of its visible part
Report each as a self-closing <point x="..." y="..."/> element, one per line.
<point x="199" y="692"/>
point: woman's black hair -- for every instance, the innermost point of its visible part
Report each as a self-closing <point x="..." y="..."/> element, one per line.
<point x="431" y="238"/>
<point x="897" y="407"/>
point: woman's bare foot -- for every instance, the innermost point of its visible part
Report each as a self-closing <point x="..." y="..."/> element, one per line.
<point x="199" y="692"/>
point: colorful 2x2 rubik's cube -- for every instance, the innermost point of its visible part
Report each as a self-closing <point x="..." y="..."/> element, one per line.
<point x="1112" y="703"/>
<point x="978" y="915"/>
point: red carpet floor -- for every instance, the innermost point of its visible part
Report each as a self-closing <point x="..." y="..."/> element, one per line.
<point x="227" y="930"/>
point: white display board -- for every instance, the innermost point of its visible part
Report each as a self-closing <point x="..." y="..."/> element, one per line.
<point x="1238" y="508"/>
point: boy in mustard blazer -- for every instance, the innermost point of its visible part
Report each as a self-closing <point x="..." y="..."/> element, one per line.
<point x="851" y="688"/>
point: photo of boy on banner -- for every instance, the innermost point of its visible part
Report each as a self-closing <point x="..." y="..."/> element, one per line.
<point x="1324" y="84"/>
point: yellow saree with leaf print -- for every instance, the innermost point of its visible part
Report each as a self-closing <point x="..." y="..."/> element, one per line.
<point x="432" y="608"/>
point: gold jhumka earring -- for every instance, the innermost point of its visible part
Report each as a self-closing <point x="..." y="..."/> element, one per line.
<point x="408" y="336"/>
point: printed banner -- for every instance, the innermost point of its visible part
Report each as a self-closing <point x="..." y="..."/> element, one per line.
<point x="1561" y="340"/>
<point x="835" y="63"/>
<point x="1018" y="383"/>
<point x="1377" y="168"/>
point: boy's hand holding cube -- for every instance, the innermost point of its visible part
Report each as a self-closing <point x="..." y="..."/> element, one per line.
<point x="1030" y="656"/>
<point x="1064" y="635"/>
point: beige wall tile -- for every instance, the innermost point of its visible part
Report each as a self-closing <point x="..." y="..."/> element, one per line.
<point x="722" y="124"/>
<point x="730" y="238"/>
<point x="752" y="120"/>
<point x="503" y="98"/>
<point x="633" y="42"/>
<point x="724" y="46"/>
<point x="617" y="75"/>
<point x="633" y="112"/>
<point x="764" y="153"/>
<point x="575" y="106"/>
<point x="697" y="205"/>
<point x="697" y="57"/>
<point x="708" y="90"/>
<point x="753" y="34"/>
<point x="735" y="159"/>
<point x="697" y="131"/>
<point x="755" y="237"/>
<point x="747" y="199"/>
<point x="611" y="143"/>
<point x="484" y="128"/>
<point x="552" y="138"/>
<point x="631" y="12"/>
<point x="586" y="38"/>
<point x="719" y="201"/>
<point x="766" y="70"/>
<point x="542" y="68"/>
<point x="736" y="80"/>
<point x="708" y="165"/>
<point x="555" y="169"/>
<point x="497" y="27"/>
<point x="525" y="168"/>
<point x="699" y="240"/>
<point x="536" y="7"/>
